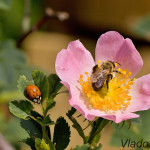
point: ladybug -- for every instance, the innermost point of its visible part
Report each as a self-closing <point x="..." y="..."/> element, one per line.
<point x="33" y="93"/>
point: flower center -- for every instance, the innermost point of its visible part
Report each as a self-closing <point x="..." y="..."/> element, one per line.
<point x="114" y="98"/>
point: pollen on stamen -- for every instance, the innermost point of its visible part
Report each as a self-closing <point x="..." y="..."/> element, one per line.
<point x="98" y="61"/>
<point x="81" y="76"/>
<point x="130" y="82"/>
<point x="129" y="73"/>
<point x="134" y="79"/>
<point x="115" y="98"/>
<point x="119" y="69"/>
<point x="116" y="64"/>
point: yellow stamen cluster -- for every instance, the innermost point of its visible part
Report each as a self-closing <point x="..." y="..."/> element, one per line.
<point x="116" y="97"/>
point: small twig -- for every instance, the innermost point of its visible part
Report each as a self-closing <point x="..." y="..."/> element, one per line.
<point x="49" y="13"/>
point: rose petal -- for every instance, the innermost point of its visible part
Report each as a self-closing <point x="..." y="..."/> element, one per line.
<point x="116" y="116"/>
<point x="77" y="101"/>
<point x="125" y="116"/>
<point x="112" y="46"/>
<point x="73" y="62"/>
<point x="108" y="46"/>
<point x="140" y="92"/>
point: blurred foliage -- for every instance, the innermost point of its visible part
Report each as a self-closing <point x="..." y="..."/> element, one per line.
<point x="83" y="147"/>
<point x="12" y="130"/>
<point x="86" y="147"/>
<point x="139" y="130"/>
<point x="142" y="27"/>
<point x="11" y="19"/>
<point x="5" y="4"/>
<point x="13" y="63"/>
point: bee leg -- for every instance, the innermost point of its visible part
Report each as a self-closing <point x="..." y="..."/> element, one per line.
<point x="117" y="71"/>
<point x="110" y="76"/>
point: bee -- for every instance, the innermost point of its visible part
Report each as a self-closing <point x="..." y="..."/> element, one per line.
<point x="102" y="73"/>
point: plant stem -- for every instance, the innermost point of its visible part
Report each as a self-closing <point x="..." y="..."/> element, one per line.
<point x="35" y="120"/>
<point x="97" y="128"/>
<point x="44" y="133"/>
<point x="43" y="126"/>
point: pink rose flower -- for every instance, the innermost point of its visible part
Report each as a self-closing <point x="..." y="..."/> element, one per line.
<point x="123" y="97"/>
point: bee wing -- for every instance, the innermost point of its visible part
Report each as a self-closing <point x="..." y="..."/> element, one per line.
<point x="93" y="78"/>
<point x="100" y="81"/>
<point x="96" y="75"/>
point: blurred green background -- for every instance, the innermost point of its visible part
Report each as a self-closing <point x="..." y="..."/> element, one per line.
<point x="30" y="38"/>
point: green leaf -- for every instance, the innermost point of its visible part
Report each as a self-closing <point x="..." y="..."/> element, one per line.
<point x="30" y="142"/>
<point x="12" y="64"/>
<point x="144" y="127"/>
<point x="41" y="145"/>
<point x="7" y="96"/>
<point x="76" y="125"/>
<point x="41" y="121"/>
<point x="36" y="114"/>
<point x="39" y="117"/>
<point x="136" y="121"/>
<point x="41" y="81"/>
<point x="23" y="83"/>
<point x="20" y="108"/>
<point x="52" y="147"/>
<point x="98" y="147"/>
<point x="37" y="143"/>
<point x="123" y="133"/>
<point x="61" y="134"/>
<point x="71" y="112"/>
<point x="11" y="129"/>
<point x="54" y="84"/>
<point x="48" y="121"/>
<point x="10" y="51"/>
<point x="82" y="147"/>
<point x="5" y="4"/>
<point x="33" y="128"/>
<point x="136" y="132"/>
<point x="50" y="103"/>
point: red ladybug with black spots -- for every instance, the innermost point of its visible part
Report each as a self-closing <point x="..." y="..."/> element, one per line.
<point x="33" y="93"/>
